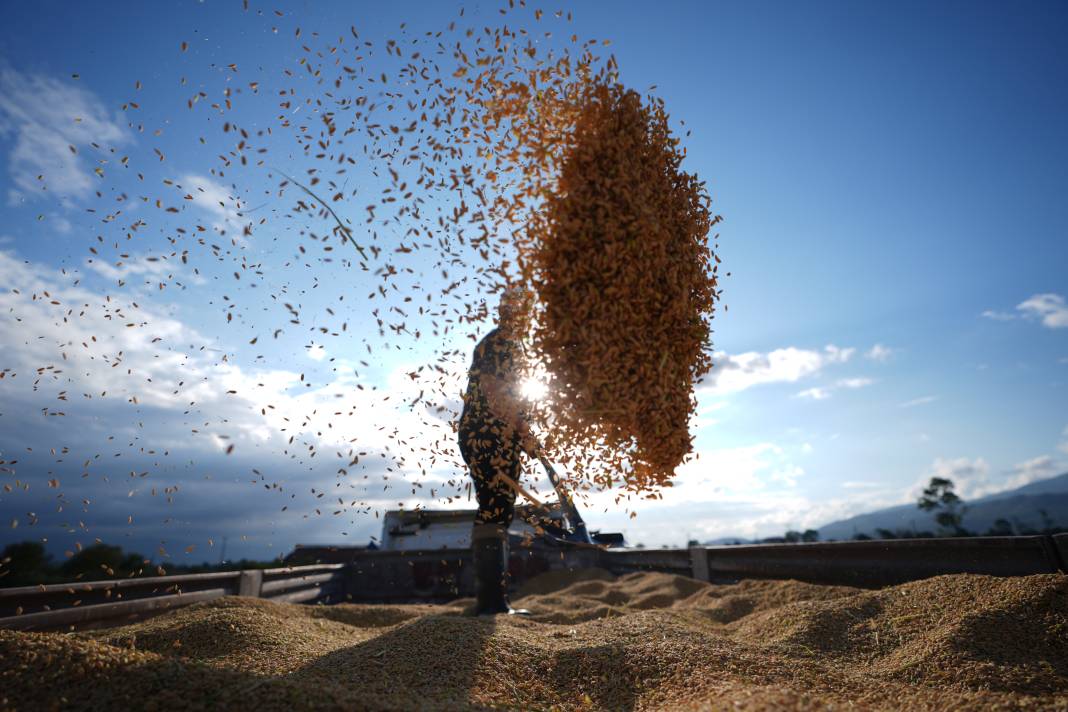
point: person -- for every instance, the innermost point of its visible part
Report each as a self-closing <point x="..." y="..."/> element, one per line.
<point x="494" y="433"/>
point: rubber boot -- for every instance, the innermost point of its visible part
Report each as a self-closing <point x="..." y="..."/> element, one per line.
<point x="489" y="549"/>
<point x="504" y="581"/>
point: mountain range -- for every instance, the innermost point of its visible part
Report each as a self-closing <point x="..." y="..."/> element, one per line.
<point x="1032" y="507"/>
<point x="1027" y="509"/>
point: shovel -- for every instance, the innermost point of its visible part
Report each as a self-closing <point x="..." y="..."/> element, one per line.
<point x="578" y="533"/>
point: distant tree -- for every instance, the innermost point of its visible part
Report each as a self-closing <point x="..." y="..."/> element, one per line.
<point x="861" y="537"/>
<point x="134" y="563"/>
<point x="901" y="533"/>
<point x="793" y="536"/>
<point x="1023" y="529"/>
<point x="24" y="563"/>
<point x="27" y="563"/>
<point x="949" y="508"/>
<point x="1001" y="527"/>
<point x="101" y="561"/>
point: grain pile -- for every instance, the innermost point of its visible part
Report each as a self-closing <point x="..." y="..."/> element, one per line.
<point x="643" y="641"/>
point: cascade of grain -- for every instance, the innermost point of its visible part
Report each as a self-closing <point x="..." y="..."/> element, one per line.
<point x="627" y="286"/>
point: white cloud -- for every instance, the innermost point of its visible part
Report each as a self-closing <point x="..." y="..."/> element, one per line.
<point x="923" y="400"/>
<point x="998" y="315"/>
<point x="973" y="479"/>
<point x="1037" y="468"/>
<point x="824" y="392"/>
<point x="316" y="352"/>
<point x="879" y="353"/>
<point x="854" y="382"/>
<point x="1050" y="308"/>
<point x="733" y="473"/>
<point x="746" y="491"/>
<point x="781" y="513"/>
<point x="728" y="474"/>
<point x="214" y="198"/>
<point x="732" y="374"/>
<point x="60" y="224"/>
<point x="47" y="117"/>
<point x="140" y="355"/>
<point x="862" y="484"/>
<point x="122" y="270"/>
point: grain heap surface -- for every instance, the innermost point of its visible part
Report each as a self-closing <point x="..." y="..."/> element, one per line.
<point x="643" y="641"/>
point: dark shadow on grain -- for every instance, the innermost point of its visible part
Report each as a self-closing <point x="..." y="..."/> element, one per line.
<point x="432" y="660"/>
<point x="599" y="672"/>
<point x="426" y="663"/>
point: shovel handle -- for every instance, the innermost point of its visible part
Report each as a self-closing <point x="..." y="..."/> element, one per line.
<point x="519" y="489"/>
<point x="565" y="498"/>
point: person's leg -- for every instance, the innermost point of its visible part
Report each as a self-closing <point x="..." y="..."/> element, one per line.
<point x="485" y="457"/>
<point x="489" y="555"/>
<point x="496" y="508"/>
<point x="489" y="535"/>
<point x="508" y="464"/>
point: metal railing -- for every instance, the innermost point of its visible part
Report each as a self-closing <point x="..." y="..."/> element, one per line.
<point x="887" y="562"/>
<point x="408" y="576"/>
<point x="87" y="604"/>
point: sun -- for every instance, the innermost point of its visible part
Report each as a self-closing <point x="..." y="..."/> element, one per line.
<point x="534" y="388"/>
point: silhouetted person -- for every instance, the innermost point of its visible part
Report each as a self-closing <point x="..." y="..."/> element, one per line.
<point x="494" y="434"/>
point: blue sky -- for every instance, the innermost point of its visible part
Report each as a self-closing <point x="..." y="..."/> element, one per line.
<point x="892" y="183"/>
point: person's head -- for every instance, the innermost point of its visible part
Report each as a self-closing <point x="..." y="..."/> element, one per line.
<point x="512" y="309"/>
